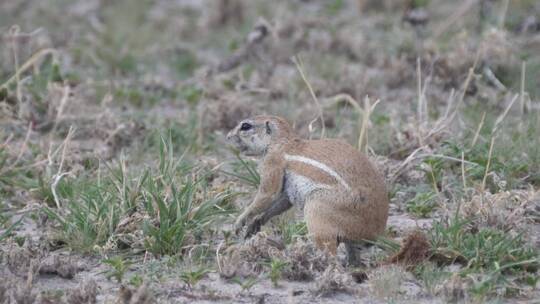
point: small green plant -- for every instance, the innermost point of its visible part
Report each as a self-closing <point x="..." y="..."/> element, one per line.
<point x="191" y="94"/>
<point x="276" y="269"/>
<point x="136" y="280"/>
<point x="493" y="255"/>
<point x="516" y="153"/>
<point x="118" y="268"/>
<point x="20" y="240"/>
<point x="433" y="167"/>
<point x="292" y="230"/>
<point x="245" y="284"/>
<point x="184" y="62"/>
<point x="174" y="201"/>
<point x="333" y="7"/>
<point x="9" y="227"/>
<point x="420" y="3"/>
<point x="422" y="204"/>
<point x="49" y="72"/>
<point x="192" y="277"/>
<point x="177" y="204"/>
<point x="12" y="174"/>
<point x="90" y="217"/>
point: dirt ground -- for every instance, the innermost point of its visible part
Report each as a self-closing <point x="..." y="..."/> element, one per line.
<point x="117" y="184"/>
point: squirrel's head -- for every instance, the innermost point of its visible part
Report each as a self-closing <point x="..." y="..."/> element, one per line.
<point x="253" y="136"/>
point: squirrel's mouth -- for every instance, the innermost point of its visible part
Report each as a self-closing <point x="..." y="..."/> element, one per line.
<point x="243" y="148"/>
<point x="236" y="143"/>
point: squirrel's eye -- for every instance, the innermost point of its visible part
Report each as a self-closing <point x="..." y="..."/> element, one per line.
<point x="245" y="126"/>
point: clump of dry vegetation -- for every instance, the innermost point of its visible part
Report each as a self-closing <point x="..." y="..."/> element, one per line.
<point x="116" y="183"/>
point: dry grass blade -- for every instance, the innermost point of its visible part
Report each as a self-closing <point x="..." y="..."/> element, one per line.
<point x="463" y="9"/>
<point x="28" y="64"/>
<point x="500" y="119"/>
<point x="404" y="165"/>
<point x="363" y="115"/>
<point x="420" y="109"/>
<point x="463" y="170"/>
<point x="14" y="31"/>
<point x="504" y="11"/>
<point x="54" y="185"/>
<point x="446" y="158"/>
<point x="65" y="97"/>
<point x="477" y="133"/>
<point x="522" y="88"/>
<point x="59" y="175"/>
<point x="24" y="145"/>
<point x="490" y="153"/>
<point x="363" y="139"/>
<point x="351" y="101"/>
<point x="298" y="62"/>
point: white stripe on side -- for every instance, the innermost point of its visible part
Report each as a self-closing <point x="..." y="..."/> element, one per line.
<point x="319" y="165"/>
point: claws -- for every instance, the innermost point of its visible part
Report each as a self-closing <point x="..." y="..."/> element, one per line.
<point x="253" y="227"/>
<point x="238" y="227"/>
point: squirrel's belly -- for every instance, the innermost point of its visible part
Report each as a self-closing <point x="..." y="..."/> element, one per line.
<point x="298" y="188"/>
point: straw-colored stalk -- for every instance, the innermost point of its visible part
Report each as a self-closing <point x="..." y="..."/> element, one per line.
<point x="363" y="116"/>
<point x="298" y="62"/>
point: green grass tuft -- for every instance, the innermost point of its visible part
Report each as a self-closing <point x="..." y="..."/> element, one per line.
<point x="176" y="205"/>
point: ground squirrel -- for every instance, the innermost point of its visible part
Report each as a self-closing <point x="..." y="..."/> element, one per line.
<point x="343" y="196"/>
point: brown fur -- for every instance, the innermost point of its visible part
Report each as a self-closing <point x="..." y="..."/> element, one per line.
<point x="351" y="212"/>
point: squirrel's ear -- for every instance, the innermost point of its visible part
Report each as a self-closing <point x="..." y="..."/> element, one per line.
<point x="268" y="127"/>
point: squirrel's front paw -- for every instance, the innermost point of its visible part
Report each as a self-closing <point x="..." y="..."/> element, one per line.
<point x="254" y="227"/>
<point x="239" y="224"/>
